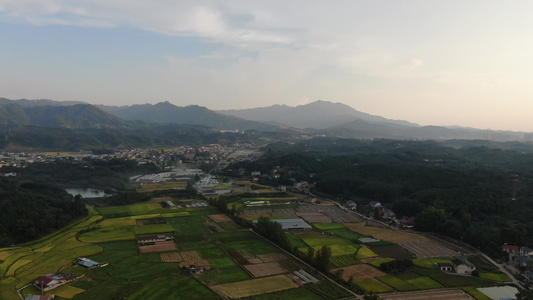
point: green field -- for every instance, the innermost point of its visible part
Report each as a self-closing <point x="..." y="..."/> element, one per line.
<point x="397" y="283"/>
<point x="326" y="226"/>
<point x="346" y="233"/>
<point x="501" y="277"/>
<point x="330" y="290"/>
<point x="117" y="222"/>
<point x="377" y="263"/>
<point x="450" y="281"/>
<point x="154" y="228"/>
<point x="424" y="283"/>
<point x="296" y="241"/>
<point x="371" y="285"/>
<point x="108" y="235"/>
<point x="343" y="260"/>
<point x="315" y="242"/>
<point x="472" y="291"/>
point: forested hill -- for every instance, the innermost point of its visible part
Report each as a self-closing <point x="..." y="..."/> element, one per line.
<point x="480" y="194"/>
<point x="29" y="211"/>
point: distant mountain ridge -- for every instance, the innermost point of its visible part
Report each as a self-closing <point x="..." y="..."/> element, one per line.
<point x="318" y="118"/>
<point x="69" y="116"/>
<point x="318" y="115"/>
<point x="165" y="112"/>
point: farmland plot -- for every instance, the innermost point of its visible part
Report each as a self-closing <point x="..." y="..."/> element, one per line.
<point x="220" y="218"/>
<point x="436" y="295"/>
<point x="359" y="272"/>
<point x="192" y="258"/>
<point x="265" y="269"/>
<point x="158" y="247"/>
<point x="171" y="257"/>
<point x="424" y="249"/>
<point x="256" y="286"/>
<point x="394" y="236"/>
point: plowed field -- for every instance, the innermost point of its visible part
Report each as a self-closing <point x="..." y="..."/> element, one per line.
<point x="266" y="269"/>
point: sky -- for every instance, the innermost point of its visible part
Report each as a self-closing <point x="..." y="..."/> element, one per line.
<point x="438" y="62"/>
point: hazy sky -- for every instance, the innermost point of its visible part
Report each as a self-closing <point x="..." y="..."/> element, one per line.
<point x="436" y="62"/>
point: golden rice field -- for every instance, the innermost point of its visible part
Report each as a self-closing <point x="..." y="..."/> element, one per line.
<point x="258" y="286"/>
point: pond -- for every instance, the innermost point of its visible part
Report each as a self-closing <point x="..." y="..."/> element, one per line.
<point x="87" y="192"/>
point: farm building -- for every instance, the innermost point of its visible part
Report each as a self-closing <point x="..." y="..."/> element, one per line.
<point x="463" y="267"/>
<point x="154" y="238"/>
<point x="48" y="282"/>
<point x="292" y="224"/>
<point x="85" y="262"/>
<point x="351" y="205"/>
<point x="526" y="251"/>
<point x="194" y="269"/>
<point x="445" y="267"/>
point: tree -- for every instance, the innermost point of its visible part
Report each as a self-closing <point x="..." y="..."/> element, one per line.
<point x="322" y="258"/>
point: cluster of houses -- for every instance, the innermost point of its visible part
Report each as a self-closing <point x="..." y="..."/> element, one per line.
<point x="383" y="212"/>
<point x="520" y="256"/>
<point x="52" y="281"/>
<point x="458" y="266"/>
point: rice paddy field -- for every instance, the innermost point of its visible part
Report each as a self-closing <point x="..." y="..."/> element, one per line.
<point x="229" y="253"/>
<point x="237" y="262"/>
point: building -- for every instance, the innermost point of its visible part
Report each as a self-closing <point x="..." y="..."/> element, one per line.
<point x="292" y="224"/>
<point x="525" y="251"/>
<point x="463" y="267"/>
<point x="85" y="262"/>
<point x="154" y="238"/>
<point x="49" y="281"/>
<point x="512" y="250"/>
<point x="445" y="267"/>
<point x="351" y="205"/>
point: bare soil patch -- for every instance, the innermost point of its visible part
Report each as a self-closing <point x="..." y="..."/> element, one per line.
<point x="314" y="217"/>
<point x="171" y="257"/>
<point x="389" y="235"/>
<point x="153" y="206"/>
<point x="393" y="251"/>
<point x="192" y="258"/>
<point x="139" y="222"/>
<point x="433" y="294"/>
<point x="220" y="218"/>
<point x="214" y="227"/>
<point x="159" y="199"/>
<point x="265" y="269"/>
<point x="370" y="259"/>
<point x="255" y="260"/>
<point x="423" y="249"/>
<point x="360" y="272"/>
<point x="272" y="257"/>
<point x="254" y="215"/>
<point x="238" y="257"/>
<point x="257" y="286"/>
<point x="158" y="247"/>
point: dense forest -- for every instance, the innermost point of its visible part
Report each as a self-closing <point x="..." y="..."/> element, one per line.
<point x="29" y="211"/>
<point x="479" y="192"/>
<point x="137" y="135"/>
<point x="112" y="173"/>
<point x="34" y="204"/>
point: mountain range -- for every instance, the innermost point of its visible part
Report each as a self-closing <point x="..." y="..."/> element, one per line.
<point x="320" y="118"/>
